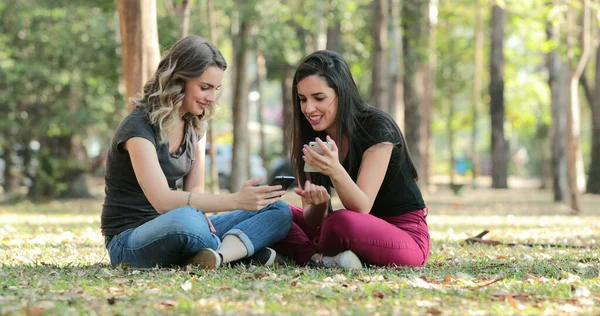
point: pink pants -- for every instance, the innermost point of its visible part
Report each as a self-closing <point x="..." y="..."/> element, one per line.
<point x="395" y="240"/>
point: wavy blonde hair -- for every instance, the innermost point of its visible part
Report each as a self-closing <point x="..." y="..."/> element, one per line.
<point x="163" y="93"/>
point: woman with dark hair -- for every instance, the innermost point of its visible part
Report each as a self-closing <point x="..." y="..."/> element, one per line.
<point x="146" y="221"/>
<point x="383" y="221"/>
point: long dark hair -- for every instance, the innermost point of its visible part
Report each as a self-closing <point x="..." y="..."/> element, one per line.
<point x="163" y="93"/>
<point x="352" y="111"/>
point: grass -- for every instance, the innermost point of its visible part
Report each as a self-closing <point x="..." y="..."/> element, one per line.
<point x="53" y="262"/>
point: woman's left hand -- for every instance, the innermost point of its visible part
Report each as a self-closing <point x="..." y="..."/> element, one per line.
<point x="328" y="162"/>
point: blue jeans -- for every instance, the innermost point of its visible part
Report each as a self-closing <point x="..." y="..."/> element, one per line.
<point x="173" y="238"/>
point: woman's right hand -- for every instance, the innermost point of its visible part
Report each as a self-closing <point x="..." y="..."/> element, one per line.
<point x="313" y="194"/>
<point x="253" y="198"/>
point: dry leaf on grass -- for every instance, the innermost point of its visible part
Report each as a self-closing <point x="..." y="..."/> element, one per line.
<point x="115" y="290"/>
<point x="377" y="294"/>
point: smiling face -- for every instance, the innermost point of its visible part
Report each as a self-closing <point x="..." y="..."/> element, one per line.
<point x="201" y="92"/>
<point x="318" y="103"/>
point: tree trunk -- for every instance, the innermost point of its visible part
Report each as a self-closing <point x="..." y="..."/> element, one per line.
<point x="139" y="38"/>
<point x="450" y="132"/>
<point x="260" y="74"/>
<point x="334" y="30"/>
<point x="288" y="107"/>
<point x="496" y="88"/>
<point x="378" y="94"/>
<point x="8" y="165"/>
<point x="574" y="155"/>
<point x="396" y="90"/>
<point x="413" y="25"/>
<point x="240" y="160"/>
<point x="428" y="91"/>
<point x="210" y="135"/>
<point x="557" y="79"/>
<point x="184" y="18"/>
<point x="593" y="184"/>
<point x="477" y="88"/>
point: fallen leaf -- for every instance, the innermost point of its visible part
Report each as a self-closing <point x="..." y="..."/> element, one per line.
<point x="511" y="301"/>
<point x="377" y="294"/>
<point x="434" y="310"/>
<point x="513" y="295"/>
<point x="168" y="303"/>
<point x="448" y="278"/>
<point x="33" y="311"/>
<point x="115" y="290"/>
<point x="260" y="275"/>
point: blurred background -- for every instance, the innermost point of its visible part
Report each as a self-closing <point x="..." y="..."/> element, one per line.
<point x="488" y="93"/>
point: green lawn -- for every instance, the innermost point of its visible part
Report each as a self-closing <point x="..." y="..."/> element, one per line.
<point x="53" y="261"/>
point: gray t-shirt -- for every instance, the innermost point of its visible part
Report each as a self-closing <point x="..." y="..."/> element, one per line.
<point x="125" y="204"/>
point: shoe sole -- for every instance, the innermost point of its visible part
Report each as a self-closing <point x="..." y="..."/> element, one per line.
<point x="271" y="258"/>
<point x="350" y="260"/>
<point x="206" y="258"/>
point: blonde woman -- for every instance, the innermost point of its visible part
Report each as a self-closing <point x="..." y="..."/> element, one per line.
<point x="146" y="221"/>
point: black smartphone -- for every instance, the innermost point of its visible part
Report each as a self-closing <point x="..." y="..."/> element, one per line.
<point x="284" y="181"/>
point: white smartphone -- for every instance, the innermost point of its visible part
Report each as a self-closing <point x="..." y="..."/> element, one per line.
<point x="314" y="146"/>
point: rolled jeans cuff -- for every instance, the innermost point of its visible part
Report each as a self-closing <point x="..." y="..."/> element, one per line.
<point x="244" y="238"/>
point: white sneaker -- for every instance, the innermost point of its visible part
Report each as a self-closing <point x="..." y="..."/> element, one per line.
<point x="206" y="258"/>
<point x="346" y="260"/>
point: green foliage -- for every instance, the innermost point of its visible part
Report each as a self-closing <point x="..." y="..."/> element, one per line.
<point x="59" y="71"/>
<point x="60" y="61"/>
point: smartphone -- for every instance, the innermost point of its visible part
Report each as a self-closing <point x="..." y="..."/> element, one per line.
<point x="284" y="181"/>
<point x="314" y="146"/>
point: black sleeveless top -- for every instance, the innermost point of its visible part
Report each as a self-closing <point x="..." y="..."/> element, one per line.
<point x="399" y="193"/>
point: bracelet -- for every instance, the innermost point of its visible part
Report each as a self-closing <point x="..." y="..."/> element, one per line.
<point x="189" y="198"/>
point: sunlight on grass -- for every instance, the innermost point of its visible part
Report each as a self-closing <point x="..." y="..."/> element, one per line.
<point x="54" y="261"/>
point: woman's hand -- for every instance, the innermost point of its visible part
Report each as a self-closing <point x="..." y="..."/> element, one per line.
<point x="313" y="194"/>
<point x="253" y="198"/>
<point x="328" y="163"/>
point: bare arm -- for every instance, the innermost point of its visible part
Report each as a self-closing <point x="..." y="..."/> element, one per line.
<point x="361" y="195"/>
<point x="155" y="186"/>
<point x="194" y="180"/>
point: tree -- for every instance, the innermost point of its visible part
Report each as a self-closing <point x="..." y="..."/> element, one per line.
<point x="559" y="127"/>
<point x="479" y="42"/>
<point x="428" y="91"/>
<point x="574" y="160"/>
<point x="414" y="43"/>
<point x="210" y="135"/>
<point x="396" y="88"/>
<point x="184" y="18"/>
<point x="378" y="95"/>
<point x="240" y="160"/>
<point x="334" y="32"/>
<point x="499" y="150"/>
<point x="52" y="101"/>
<point x="592" y="93"/>
<point x="139" y="37"/>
